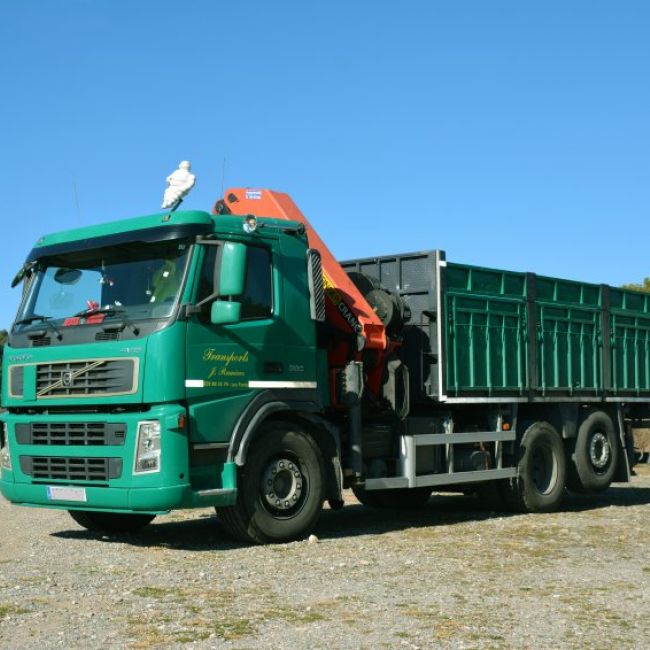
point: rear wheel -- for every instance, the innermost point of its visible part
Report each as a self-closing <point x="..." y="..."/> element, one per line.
<point x="280" y="490"/>
<point x="110" y="522"/>
<point x="595" y="456"/>
<point x="394" y="498"/>
<point x="541" y="472"/>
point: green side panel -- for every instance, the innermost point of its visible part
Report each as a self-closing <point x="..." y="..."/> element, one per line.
<point x="485" y="333"/>
<point x="629" y="301"/>
<point x="569" y="348"/>
<point x="476" y="280"/>
<point x="630" y="352"/>
<point x="568" y="292"/>
<point x="630" y="341"/>
<point x="569" y="336"/>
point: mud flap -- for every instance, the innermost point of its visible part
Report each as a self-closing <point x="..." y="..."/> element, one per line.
<point x="625" y="462"/>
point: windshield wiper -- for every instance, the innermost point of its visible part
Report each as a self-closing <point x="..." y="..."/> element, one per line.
<point x="31" y="319"/>
<point x="109" y="310"/>
<point x="46" y="319"/>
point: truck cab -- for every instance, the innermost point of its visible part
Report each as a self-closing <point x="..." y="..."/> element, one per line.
<point x="140" y="354"/>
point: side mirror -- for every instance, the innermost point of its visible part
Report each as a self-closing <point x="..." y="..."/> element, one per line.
<point x="232" y="270"/>
<point x="224" y="312"/>
<point x="26" y="269"/>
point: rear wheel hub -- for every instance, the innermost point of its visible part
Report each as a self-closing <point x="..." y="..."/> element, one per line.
<point x="599" y="450"/>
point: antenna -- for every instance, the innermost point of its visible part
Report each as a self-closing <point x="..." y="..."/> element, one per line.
<point x="76" y="198"/>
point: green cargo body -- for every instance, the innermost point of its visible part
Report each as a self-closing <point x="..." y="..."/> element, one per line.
<point x="479" y="333"/>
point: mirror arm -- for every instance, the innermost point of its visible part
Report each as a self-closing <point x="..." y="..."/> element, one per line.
<point x="188" y="309"/>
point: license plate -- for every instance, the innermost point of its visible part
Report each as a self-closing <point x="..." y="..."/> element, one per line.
<point x="58" y="493"/>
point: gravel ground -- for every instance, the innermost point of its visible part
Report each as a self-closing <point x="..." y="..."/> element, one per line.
<point x="453" y="575"/>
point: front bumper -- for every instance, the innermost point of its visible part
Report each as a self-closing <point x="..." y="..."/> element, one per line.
<point x="143" y="500"/>
<point x="154" y="493"/>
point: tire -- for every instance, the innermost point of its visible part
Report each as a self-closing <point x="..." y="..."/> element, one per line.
<point x="110" y="522"/>
<point x="595" y="457"/>
<point x="397" y="499"/>
<point x="572" y="479"/>
<point x="541" y="472"/>
<point x="280" y="489"/>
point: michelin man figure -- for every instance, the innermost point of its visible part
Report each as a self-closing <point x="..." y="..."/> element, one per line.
<point x="179" y="183"/>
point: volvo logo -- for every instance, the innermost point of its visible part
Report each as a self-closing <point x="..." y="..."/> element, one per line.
<point x="68" y="377"/>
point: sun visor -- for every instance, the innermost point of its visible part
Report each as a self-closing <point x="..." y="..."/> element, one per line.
<point x="145" y="236"/>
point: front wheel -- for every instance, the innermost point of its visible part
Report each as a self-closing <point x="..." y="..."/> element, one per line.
<point x="110" y="522"/>
<point x="541" y="472"/>
<point x="280" y="490"/>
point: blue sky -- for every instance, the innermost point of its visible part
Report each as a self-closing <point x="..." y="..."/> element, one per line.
<point x="510" y="134"/>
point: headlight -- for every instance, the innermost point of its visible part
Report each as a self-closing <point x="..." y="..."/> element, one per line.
<point x="147" y="451"/>
<point x="5" y="458"/>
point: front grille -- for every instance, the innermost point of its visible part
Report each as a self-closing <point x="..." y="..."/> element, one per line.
<point x="41" y="341"/>
<point x="59" y="468"/>
<point x="86" y="378"/>
<point x="71" y="433"/>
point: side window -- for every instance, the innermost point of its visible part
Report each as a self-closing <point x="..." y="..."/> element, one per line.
<point x="206" y="279"/>
<point x="257" y="299"/>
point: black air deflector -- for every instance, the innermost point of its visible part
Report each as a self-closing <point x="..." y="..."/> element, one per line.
<point x="144" y="236"/>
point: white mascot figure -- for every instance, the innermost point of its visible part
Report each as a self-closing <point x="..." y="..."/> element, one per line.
<point x="179" y="183"/>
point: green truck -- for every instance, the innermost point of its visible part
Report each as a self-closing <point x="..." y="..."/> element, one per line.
<point x="187" y="359"/>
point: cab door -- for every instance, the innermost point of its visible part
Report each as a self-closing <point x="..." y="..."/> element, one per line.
<point x="226" y="362"/>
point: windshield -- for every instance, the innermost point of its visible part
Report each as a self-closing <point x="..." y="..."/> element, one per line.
<point x="136" y="281"/>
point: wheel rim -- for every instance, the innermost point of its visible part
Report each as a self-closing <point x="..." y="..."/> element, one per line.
<point x="599" y="450"/>
<point x="283" y="487"/>
<point x="544" y="469"/>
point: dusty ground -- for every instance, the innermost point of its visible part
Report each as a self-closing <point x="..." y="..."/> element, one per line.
<point x="453" y="575"/>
